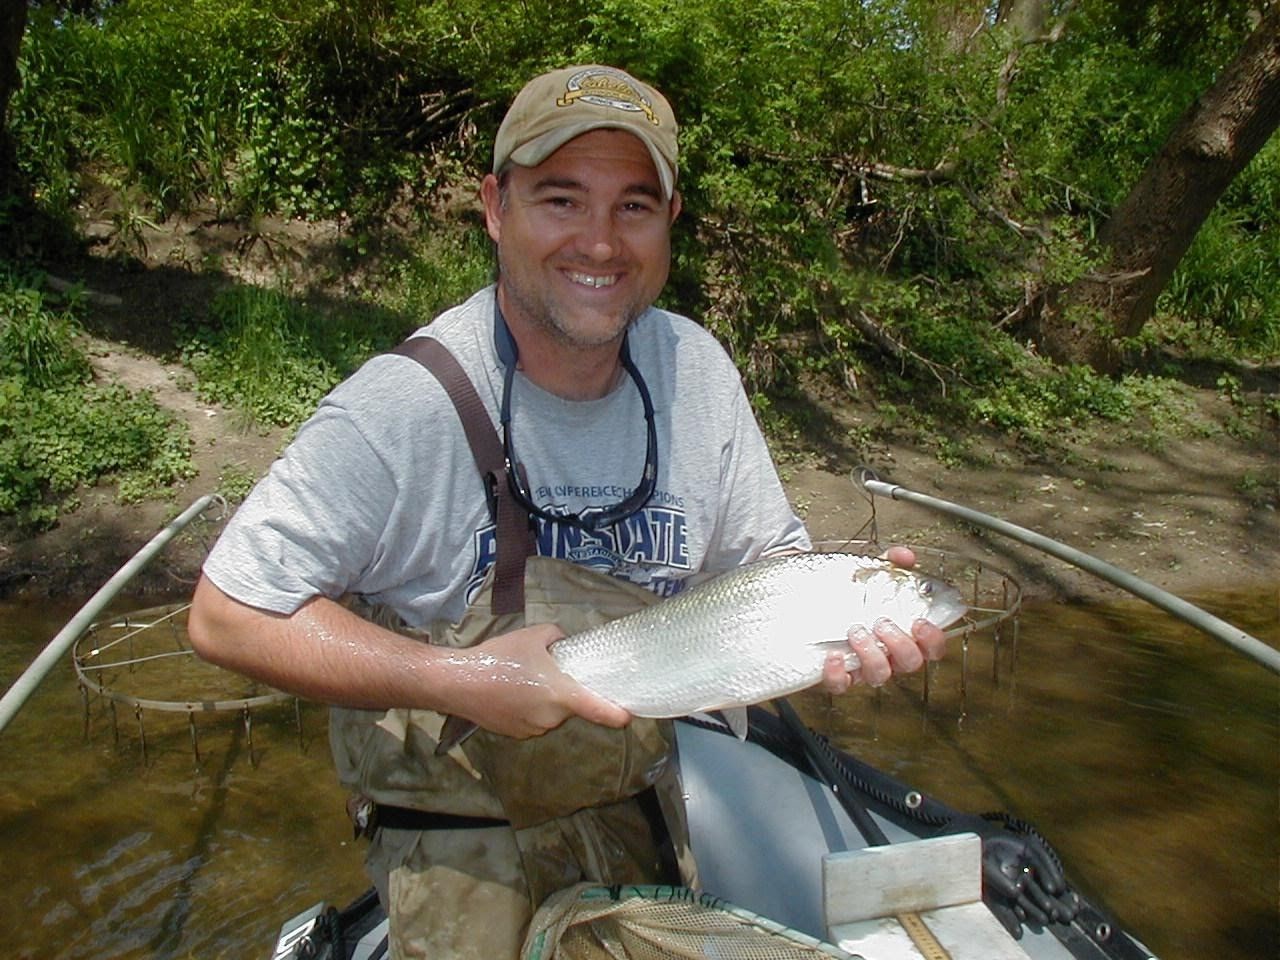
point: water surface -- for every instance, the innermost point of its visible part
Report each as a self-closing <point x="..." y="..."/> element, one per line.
<point x="1148" y="754"/>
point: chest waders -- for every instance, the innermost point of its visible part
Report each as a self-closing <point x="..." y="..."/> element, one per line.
<point x="466" y="845"/>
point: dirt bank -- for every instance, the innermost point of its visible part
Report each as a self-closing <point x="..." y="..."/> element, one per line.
<point x="1197" y="515"/>
<point x="1192" y="513"/>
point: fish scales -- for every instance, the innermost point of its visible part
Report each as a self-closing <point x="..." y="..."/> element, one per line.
<point x="760" y="631"/>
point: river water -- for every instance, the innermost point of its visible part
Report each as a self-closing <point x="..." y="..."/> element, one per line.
<point x="1148" y="755"/>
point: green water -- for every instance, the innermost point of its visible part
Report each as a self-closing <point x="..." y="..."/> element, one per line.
<point x="1148" y="755"/>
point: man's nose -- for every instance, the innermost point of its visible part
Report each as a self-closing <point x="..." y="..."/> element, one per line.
<point x="599" y="238"/>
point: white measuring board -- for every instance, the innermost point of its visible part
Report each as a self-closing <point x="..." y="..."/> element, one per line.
<point x="918" y="900"/>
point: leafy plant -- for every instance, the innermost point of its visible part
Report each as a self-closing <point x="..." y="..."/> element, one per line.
<point x="37" y="345"/>
<point x="274" y="357"/>
<point x="59" y="430"/>
<point x="235" y="481"/>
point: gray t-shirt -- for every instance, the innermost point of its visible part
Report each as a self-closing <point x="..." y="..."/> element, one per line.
<point x="379" y="494"/>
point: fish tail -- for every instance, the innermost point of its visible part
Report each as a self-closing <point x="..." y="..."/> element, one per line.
<point x="454" y="732"/>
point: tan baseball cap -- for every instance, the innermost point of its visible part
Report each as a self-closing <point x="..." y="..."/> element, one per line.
<point x="556" y="107"/>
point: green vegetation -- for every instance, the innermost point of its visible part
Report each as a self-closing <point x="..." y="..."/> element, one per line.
<point x="856" y="176"/>
<point x="271" y="356"/>
<point x="274" y="356"/>
<point x="59" y="430"/>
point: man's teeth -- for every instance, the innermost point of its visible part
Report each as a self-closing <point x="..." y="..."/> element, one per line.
<point x="587" y="280"/>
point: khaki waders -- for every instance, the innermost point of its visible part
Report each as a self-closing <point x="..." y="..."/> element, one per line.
<point x="565" y="805"/>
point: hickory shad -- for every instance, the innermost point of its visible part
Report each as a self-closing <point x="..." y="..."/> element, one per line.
<point x="760" y="631"/>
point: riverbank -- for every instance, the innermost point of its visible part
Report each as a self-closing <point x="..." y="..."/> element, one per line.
<point x="1194" y="515"/>
<point x="1192" y="507"/>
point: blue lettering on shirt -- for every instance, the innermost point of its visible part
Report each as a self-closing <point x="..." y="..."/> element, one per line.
<point x="653" y="539"/>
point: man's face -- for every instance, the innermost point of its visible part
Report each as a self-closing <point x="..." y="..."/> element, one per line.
<point x="583" y="238"/>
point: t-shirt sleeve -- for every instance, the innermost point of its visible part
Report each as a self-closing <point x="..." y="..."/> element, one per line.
<point x="756" y="519"/>
<point x="312" y="524"/>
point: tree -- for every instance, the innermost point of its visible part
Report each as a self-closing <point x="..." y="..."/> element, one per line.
<point x="1152" y="228"/>
<point x="13" y="21"/>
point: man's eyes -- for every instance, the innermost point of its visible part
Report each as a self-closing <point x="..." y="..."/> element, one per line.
<point x="566" y="203"/>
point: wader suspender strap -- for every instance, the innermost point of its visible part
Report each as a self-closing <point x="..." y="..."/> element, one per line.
<point x="515" y="540"/>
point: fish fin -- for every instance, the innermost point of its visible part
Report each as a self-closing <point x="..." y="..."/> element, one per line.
<point x="736" y="718"/>
<point x="454" y="732"/>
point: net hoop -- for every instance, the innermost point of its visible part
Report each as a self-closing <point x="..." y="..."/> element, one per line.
<point x="90" y="653"/>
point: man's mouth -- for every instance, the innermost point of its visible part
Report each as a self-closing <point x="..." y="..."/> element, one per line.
<point x="592" y="280"/>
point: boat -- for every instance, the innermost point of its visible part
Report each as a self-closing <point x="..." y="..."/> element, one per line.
<point x="786" y="840"/>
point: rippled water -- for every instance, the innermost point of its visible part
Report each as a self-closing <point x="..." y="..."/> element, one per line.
<point x="108" y="857"/>
<point x="1148" y="754"/>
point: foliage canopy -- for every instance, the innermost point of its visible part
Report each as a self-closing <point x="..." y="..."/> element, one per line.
<point x="856" y="179"/>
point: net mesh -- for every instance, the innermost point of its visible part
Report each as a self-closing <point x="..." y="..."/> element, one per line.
<point x="590" y="922"/>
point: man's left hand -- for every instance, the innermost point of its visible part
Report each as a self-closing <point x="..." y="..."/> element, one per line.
<point x="885" y="648"/>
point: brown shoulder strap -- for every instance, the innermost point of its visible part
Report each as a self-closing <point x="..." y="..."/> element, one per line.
<point x="515" y="539"/>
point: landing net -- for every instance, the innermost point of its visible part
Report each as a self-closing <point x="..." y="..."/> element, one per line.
<point x="590" y="922"/>
<point x="144" y="661"/>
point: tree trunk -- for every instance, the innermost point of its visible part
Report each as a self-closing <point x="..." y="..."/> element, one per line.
<point x="1153" y="227"/>
<point x="956" y="22"/>
<point x="13" y="21"/>
<point x="1027" y="19"/>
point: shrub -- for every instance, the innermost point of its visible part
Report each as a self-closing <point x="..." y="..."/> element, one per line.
<point x="59" y="429"/>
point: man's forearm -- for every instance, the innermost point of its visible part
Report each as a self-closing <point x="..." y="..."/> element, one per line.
<point x="321" y="652"/>
<point x="324" y="652"/>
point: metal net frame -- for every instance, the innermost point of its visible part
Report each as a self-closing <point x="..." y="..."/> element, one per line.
<point x="144" y="660"/>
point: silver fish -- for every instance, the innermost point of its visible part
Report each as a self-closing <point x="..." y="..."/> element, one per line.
<point x="759" y="631"/>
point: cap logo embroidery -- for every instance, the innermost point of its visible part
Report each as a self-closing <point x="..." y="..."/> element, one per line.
<point x="607" y="89"/>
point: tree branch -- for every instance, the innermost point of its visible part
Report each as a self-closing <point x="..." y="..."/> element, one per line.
<point x="881" y="338"/>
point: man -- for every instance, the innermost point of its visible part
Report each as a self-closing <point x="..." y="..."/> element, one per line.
<point x="374" y="532"/>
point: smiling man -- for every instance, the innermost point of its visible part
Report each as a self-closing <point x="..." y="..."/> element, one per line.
<point x="378" y="567"/>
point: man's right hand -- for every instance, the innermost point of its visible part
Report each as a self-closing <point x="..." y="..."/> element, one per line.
<point x="511" y="685"/>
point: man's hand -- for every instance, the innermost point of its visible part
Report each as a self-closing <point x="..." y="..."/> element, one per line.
<point x="511" y="685"/>
<point x="885" y="649"/>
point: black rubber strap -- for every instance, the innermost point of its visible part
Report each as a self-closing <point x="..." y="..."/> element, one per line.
<point x="406" y="818"/>
<point x="515" y="538"/>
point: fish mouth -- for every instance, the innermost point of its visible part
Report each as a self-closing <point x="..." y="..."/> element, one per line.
<point x="946" y="605"/>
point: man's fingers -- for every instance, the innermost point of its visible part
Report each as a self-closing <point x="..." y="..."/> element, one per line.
<point x="835" y="678"/>
<point x="596" y="709"/>
<point x="901" y="556"/>
<point x="874" y="666"/>
<point x="930" y="639"/>
<point x="901" y="647"/>
<point x="886" y="649"/>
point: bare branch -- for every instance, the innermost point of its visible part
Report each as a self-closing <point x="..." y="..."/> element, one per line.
<point x="880" y="337"/>
<point x="1000" y="217"/>
<point x="943" y="172"/>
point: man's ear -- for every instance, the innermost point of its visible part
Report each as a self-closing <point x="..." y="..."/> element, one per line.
<point x="677" y="204"/>
<point x="491" y="197"/>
